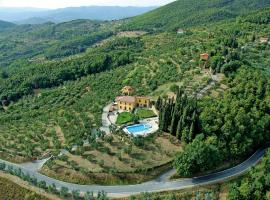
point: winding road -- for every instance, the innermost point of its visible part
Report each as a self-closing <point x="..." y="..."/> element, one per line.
<point x="161" y="183"/>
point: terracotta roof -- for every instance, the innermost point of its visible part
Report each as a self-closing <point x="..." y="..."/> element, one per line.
<point x="127" y="88"/>
<point x="143" y="97"/>
<point x="128" y="99"/>
<point x="204" y="54"/>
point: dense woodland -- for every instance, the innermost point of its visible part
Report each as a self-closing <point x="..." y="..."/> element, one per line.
<point x="25" y="44"/>
<point x="227" y="133"/>
<point x="17" y="83"/>
<point x="66" y="73"/>
<point x="188" y="13"/>
<point x="255" y="185"/>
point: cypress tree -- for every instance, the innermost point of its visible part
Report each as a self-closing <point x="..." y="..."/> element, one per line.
<point x="158" y="104"/>
<point x="191" y="132"/>
<point x="185" y="135"/>
<point x="180" y="117"/>
<point x="179" y="128"/>
<point x="174" y="123"/>
<point x="161" y="118"/>
<point x="167" y="117"/>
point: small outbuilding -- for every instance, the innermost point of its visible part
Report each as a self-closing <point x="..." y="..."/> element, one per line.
<point x="127" y="90"/>
<point x="180" y="31"/>
<point x="264" y="40"/>
<point x="204" y="56"/>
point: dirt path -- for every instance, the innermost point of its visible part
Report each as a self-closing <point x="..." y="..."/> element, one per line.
<point x="60" y="134"/>
<point x="178" y="67"/>
<point x="35" y="165"/>
<point x="209" y="86"/>
<point x="215" y="78"/>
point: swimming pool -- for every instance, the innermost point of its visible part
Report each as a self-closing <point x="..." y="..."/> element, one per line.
<point x="139" y="129"/>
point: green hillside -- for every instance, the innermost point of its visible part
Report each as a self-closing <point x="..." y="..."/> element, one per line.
<point x="50" y="41"/>
<point x="4" y="25"/>
<point x="55" y="80"/>
<point x="186" y="13"/>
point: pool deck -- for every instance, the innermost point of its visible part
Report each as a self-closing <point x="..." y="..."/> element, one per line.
<point x="153" y="122"/>
<point x="109" y="118"/>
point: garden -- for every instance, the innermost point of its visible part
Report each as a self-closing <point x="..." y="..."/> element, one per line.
<point x="124" y="118"/>
<point x="139" y="114"/>
<point x="145" y="113"/>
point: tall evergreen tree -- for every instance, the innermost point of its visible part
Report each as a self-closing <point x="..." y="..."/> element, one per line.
<point x="158" y="104"/>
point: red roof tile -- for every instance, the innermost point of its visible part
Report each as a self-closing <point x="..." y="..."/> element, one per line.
<point x="128" y="99"/>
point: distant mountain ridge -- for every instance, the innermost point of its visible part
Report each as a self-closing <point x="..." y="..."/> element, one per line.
<point x="37" y="16"/>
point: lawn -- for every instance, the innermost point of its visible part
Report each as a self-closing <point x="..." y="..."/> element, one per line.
<point x="145" y="113"/>
<point x="124" y="118"/>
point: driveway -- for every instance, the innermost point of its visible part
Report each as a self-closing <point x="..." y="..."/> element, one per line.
<point x="35" y="166"/>
<point x="160" y="184"/>
<point x="105" y="120"/>
<point x="201" y="93"/>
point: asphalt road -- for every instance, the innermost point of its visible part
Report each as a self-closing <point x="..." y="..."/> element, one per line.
<point x="159" y="184"/>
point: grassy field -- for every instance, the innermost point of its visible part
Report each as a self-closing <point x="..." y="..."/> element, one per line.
<point x="145" y="113"/>
<point x="124" y="118"/>
<point x="120" y="161"/>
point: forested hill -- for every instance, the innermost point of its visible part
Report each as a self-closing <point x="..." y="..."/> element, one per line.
<point x="4" y="25"/>
<point x="184" y="13"/>
<point x="50" y="41"/>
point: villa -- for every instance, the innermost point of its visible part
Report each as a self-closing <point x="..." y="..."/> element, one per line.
<point x="129" y="103"/>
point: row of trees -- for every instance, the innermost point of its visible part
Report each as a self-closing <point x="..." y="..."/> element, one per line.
<point x="179" y="116"/>
<point x="63" y="192"/>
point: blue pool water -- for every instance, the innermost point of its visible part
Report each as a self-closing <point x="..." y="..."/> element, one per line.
<point x="138" y="129"/>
